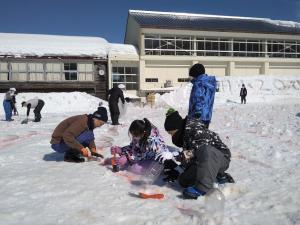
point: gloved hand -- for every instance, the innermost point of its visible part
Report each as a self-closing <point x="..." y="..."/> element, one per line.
<point x="171" y="175"/>
<point x="115" y="150"/>
<point x="86" y="152"/>
<point x="197" y="115"/>
<point x="163" y="156"/>
<point x="121" y="161"/>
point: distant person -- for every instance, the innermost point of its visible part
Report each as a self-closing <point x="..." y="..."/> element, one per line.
<point x="37" y="105"/>
<point x="8" y="104"/>
<point x="74" y="136"/>
<point x="114" y="95"/>
<point x="243" y="94"/>
<point x="202" y="94"/>
<point x="14" y="104"/>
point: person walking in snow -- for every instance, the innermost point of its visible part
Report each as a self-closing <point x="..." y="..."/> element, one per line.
<point x="202" y="94"/>
<point x="147" y="145"/>
<point x="8" y="104"/>
<point x="74" y="136"/>
<point x="205" y="158"/>
<point x="243" y="94"/>
<point x="14" y="104"/>
<point x="114" y="95"/>
<point x="37" y="105"/>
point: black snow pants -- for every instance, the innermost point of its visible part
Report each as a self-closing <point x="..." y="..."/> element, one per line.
<point x="202" y="171"/>
<point x="37" y="111"/>
<point x="243" y="99"/>
<point x="114" y="112"/>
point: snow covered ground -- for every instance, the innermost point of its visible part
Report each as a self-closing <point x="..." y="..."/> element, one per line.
<point x="37" y="187"/>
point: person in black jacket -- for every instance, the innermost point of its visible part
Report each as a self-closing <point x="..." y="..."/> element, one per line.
<point x="113" y="98"/>
<point x="205" y="158"/>
<point x="243" y="94"/>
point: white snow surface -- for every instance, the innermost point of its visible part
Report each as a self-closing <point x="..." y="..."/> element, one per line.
<point x="191" y="15"/>
<point x="38" y="187"/>
<point x="21" y="45"/>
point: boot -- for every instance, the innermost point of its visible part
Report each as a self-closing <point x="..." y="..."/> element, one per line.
<point x="73" y="156"/>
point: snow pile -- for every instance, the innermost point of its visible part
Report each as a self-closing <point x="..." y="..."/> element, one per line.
<point x="61" y="102"/>
<point x="260" y="89"/>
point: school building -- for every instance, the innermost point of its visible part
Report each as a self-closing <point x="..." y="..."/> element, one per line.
<point x="158" y="50"/>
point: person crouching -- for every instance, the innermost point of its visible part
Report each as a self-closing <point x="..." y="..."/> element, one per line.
<point x="205" y="157"/>
<point x="74" y="136"/>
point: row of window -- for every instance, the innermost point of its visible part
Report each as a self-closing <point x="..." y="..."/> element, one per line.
<point x="125" y="75"/>
<point x="181" y="45"/>
<point x="21" y="71"/>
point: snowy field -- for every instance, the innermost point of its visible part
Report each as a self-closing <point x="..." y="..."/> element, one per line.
<point x="38" y="187"/>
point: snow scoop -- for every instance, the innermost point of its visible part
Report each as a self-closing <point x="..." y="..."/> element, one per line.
<point x="151" y="196"/>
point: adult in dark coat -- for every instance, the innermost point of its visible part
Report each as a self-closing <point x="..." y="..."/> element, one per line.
<point x="113" y="98"/>
<point x="243" y="94"/>
<point x="205" y="157"/>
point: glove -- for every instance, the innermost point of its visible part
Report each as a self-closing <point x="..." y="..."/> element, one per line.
<point x="163" y="156"/>
<point x="93" y="150"/>
<point x="197" y="115"/>
<point x="171" y="175"/>
<point x="115" y="150"/>
<point x="86" y="152"/>
<point x="122" y="161"/>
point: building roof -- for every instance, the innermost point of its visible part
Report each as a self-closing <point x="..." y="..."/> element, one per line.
<point x="39" y="45"/>
<point x="188" y="21"/>
<point x="122" y="49"/>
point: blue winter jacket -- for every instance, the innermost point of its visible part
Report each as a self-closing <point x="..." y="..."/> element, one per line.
<point x="202" y="97"/>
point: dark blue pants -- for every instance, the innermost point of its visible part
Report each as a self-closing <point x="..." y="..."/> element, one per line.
<point x="7" y="110"/>
<point x="84" y="138"/>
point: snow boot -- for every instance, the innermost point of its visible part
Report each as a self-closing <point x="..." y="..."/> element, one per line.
<point x="224" y="178"/>
<point x="72" y="156"/>
<point x="192" y="193"/>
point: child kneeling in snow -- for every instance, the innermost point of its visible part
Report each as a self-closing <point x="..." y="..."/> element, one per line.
<point x="205" y="157"/>
<point x="146" y="146"/>
<point x="75" y="136"/>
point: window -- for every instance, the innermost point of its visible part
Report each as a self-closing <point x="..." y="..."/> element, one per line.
<point x="4" y="72"/>
<point x="151" y="80"/>
<point x="125" y="75"/>
<point x="19" y="71"/>
<point x="36" y="71"/>
<point x="183" y="80"/>
<point x="70" y="71"/>
<point x="53" y="71"/>
<point x="85" y="71"/>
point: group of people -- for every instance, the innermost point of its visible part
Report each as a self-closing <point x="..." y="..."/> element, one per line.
<point x="10" y="106"/>
<point x="203" y="157"/>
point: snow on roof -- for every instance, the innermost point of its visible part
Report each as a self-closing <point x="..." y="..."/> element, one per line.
<point x="122" y="49"/>
<point x="190" y="15"/>
<point x="51" y="45"/>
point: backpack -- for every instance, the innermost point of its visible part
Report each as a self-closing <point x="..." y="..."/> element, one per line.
<point x="202" y="97"/>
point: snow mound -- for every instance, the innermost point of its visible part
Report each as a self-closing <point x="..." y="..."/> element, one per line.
<point x="60" y="102"/>
<point x="260" y="89"/>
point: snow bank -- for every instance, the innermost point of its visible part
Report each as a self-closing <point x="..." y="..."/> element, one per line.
<point x="60" y="102"/>
<point x="260" y="89"/>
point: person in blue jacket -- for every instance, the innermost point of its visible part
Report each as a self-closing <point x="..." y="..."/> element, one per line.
<point x="202" y="94"/>
<point x="7" y="104"/>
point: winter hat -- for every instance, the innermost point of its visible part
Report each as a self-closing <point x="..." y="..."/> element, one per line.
<point x="121" y="86"/>
<point x="173" y="120"/>
<point x="101" y="114"/>
<point x="197" y="70"/>
<point x="13" y="89"/>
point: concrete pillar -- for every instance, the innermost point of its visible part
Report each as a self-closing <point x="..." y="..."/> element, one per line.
<point x="230" y="68"/>
<point x="265" y="69"/>
<point x="142" y="44"/>
<point x="142" y="74"/>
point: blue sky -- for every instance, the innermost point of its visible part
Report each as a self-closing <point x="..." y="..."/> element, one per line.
<point x="107" y="18"/>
